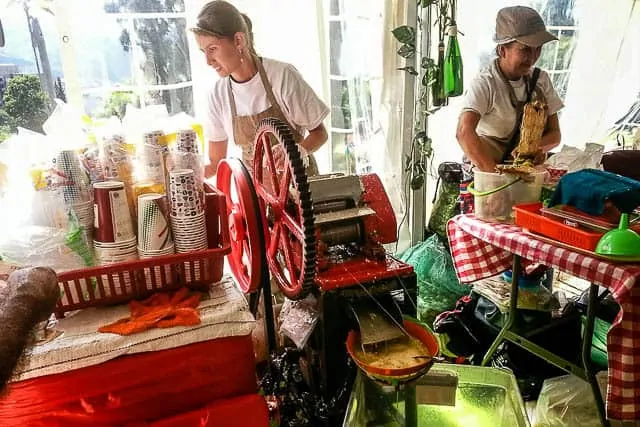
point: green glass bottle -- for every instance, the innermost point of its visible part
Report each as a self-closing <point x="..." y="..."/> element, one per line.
<point x="453" y="66"/>
<point x="438" y="97"/>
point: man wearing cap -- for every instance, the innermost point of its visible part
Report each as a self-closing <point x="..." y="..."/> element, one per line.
<point x="488" y="128"/>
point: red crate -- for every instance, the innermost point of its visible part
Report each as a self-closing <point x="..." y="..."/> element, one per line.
<point x="120" y="283"/>
<point x="528" y="216"/>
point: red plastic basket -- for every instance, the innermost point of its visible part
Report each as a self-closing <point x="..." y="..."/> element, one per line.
<point x="119" y="283"/>
<point x="528" y="216"/>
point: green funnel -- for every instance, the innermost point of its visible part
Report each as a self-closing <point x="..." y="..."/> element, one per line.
<point x="621" y="241"/>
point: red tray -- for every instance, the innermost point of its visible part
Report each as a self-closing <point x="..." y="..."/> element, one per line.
<point x="528" y="216"/>
<point x="119" y="283"/>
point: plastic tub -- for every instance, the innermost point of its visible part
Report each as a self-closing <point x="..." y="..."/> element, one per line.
<point x="485" y="397"/>
<point x="495" y="194"/>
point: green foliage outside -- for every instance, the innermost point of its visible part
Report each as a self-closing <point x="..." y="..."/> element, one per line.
<point x="116" y="105"/>
<point x="7" y="125"/>
<point x="25" y="103"/>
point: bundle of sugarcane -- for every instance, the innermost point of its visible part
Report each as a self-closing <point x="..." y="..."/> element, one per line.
<point x="534" y="120"/>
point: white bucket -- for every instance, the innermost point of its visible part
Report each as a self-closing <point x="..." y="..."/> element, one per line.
<point x="495" y="194"/>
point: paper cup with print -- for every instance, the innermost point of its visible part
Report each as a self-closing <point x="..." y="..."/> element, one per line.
<point x="187" y="141"/>
<point x="112" y="217"/>
<point x="151" y="163"/>
<point x="186" y="200"/>
<point x="75" y="182"/>
<point x="155" y="138"/>
<point x="154" y="233"/>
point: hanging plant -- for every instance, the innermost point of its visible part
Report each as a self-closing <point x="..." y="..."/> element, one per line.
<point x="431" y="70"/>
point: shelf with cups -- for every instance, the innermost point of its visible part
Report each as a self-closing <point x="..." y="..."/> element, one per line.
<point x="123" y="281"/>
<point x="159" y="228"/>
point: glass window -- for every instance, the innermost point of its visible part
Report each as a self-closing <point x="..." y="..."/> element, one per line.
<point x="141" y="51"/>
<point x="143" y="6"/>
<point x="352" y="68"/>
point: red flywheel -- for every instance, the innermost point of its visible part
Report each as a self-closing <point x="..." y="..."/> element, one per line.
<point x="245" y="234"/>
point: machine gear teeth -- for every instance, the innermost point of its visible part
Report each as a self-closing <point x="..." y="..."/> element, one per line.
<point x="299" y="287"/>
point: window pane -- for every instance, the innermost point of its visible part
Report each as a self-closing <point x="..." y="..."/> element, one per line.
<point x="566" y="46"/>
<point x="557" y="12"/>
<point x="164" y="53"/>
<point x="143" y="6"/>
<point x="561" y="82"/>
<point x="33" y="51"/>
<point x="334" y="8"/>
<point x="112" y="62"/>
<point x="176" y="100"/>
<point x="335" y="47"/>
<point x="110" y="103"/>
<point x="340" y="111"/>
<point x="342" y="152"/>
<point x="548" y="54"/>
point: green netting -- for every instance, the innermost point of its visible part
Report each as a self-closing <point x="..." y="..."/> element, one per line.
<point x="438" y="285"/>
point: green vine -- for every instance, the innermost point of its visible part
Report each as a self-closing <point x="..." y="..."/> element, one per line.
<point x="407" y="36"/>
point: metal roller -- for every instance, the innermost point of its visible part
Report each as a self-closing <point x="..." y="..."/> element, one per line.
<point x="342" y="233"/>
<point x="331" y="206"/>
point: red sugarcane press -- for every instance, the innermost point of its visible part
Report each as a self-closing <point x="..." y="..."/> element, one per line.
<point x="320" y="234"/>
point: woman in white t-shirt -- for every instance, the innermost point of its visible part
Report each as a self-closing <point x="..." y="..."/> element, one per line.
<point x="488" y="128"/>
<point x="251" y="88"/>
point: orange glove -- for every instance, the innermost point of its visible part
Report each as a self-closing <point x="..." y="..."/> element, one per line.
<point x="160" y="310"/>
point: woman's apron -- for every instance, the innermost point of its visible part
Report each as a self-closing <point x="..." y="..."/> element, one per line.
<point x="244" y="127"/>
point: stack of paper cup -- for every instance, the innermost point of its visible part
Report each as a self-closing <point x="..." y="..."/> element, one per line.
<point x="83" y="213"/>
<point x="154" y="233"/>
<point x="187" y="216"/>
<point x="187" y="141"/>
<point x="117" y="162"/>
<point x="151" y="164"/>
<point x="76" y="190"/>
<point x="114" y="238"/>
<point x="155" y="138"/>
<point x="75" y="182"/>
<point x="154" y="236"/>
<point x="116" y="158"/>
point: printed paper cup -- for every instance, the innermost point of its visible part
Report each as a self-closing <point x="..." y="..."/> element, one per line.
<point x="154" y="233"/>
<point x="187" y="141"/>
<point x="112" y="216"/>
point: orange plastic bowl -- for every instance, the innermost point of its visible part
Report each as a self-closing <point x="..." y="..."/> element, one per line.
<point x="416" y="330"/>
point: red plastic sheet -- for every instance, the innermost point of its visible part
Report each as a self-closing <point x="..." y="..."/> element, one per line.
<point x="135" y="389"/>
<point x="244" y="411"/>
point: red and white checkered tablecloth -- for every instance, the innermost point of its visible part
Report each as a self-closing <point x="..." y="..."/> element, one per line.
<point x="481" y="249"/>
